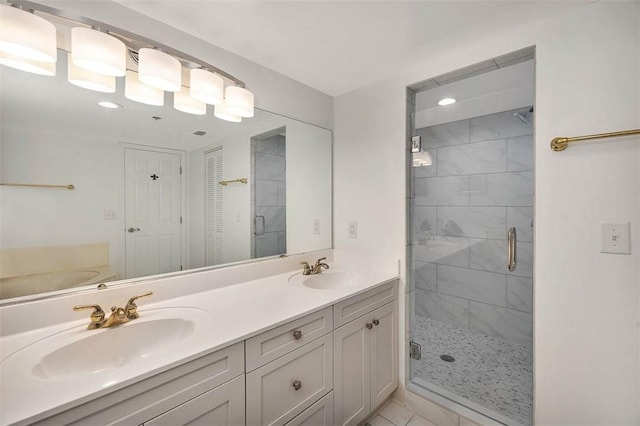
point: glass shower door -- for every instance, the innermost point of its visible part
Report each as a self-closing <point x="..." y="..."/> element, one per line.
<point x="471" y="264"/>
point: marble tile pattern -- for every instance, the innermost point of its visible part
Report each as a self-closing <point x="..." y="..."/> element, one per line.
<point x="480" y="185"/>
<point x="269" y="173"/>
<point x="489" y="371"/>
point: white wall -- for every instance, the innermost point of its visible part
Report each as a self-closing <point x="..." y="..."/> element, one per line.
<point x="36" y="217"/>
<point x="586" y="303"/>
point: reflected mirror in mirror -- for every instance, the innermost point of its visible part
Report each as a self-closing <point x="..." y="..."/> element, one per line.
<point x="155" y="190"/>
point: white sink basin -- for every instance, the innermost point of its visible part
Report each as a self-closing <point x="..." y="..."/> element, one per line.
<point x="331" y="279"/>
<point x="81" y="352"/>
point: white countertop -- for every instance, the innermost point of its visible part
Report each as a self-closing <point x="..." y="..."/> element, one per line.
<point x="235" y="313"/>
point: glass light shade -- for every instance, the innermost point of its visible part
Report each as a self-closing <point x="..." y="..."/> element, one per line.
<point x="29" y="65"/>
<point x="222" y="112"/>
<point x="88" y="79"/>
<point x="160" y="70"/>
<point x="98" y="52"/>
<point x="206" y="86"/>
<point x="238" y="101"/>
<point x="182" y="101"/>
<point x="25" y="35"/>
<point x="136" y="91"/>
<point x="422" y="158"/>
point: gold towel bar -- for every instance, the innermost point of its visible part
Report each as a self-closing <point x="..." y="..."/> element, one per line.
<point x="227" y="182"/>
<point x="37" y="185"/>
<point x="560" y="144"/>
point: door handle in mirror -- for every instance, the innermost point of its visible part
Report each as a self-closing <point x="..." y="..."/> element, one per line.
<point x="133" y="229"/>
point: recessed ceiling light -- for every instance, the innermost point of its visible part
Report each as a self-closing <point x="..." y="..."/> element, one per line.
<point x="446" y="101"/>
<point x="110" y="105"/>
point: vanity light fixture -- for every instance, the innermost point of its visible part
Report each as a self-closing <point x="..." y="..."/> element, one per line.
<point x="222" y="112"/>
<point x="98" y="52"/>
<point x="89" y="80"/>
<point x="109" y="105"/>
<point x="446" y="101"/>
<point x="160" y="70"/>
<point x="28" y="65"/>
<point x="206" y="86"/>
<point x="182" y="101"/>
<point x="238" y="101"/>
<point x="136" y="91"/>
<point x="26" y="35"/>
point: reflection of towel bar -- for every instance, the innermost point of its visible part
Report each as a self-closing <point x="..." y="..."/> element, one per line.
<point x="36" y="185"/>
<point x="227" y="182"/>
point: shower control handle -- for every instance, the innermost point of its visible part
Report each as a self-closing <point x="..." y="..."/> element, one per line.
<point x="511" y="247"/>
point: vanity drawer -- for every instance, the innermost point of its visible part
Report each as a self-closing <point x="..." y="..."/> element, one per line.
<point x="355" y="307"/>
<point x="319" y="414"/>
<point x="274" y="343"/>
<point x="148" y="398"/>
<point x="272" y="397"/>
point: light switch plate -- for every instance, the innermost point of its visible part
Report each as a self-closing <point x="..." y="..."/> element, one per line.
<point x="110" y="214"/>
<point x="616" y="238"/>
<point x="316" y="226"/>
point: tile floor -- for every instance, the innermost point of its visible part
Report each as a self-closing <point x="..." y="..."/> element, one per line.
<point x="394" y="415"/>
<point x="488" y="371"/>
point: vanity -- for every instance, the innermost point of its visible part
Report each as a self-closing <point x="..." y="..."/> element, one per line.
<point x="286" y="349"/>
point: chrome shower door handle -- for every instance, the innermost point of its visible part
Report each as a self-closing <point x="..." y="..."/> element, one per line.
<point x="255" y="225"/>
<point x="511" y="242"/>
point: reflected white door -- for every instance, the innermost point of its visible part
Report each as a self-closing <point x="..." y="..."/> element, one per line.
<point x="214" y="250"/>
<point x="152" y="212"/>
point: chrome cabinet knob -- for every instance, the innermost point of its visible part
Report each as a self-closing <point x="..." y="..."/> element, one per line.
<point x="376" y="322"/>
<point x="297" y="384"/>
<point x="297" y="334"/>
<point x="133" y="229"/>
<point x="369" y="325"/>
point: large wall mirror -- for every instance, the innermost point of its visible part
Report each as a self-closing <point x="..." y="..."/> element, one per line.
<point x="155" y="190"/>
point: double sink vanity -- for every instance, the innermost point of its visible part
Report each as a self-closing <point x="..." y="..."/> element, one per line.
<point x="295" y="349"/>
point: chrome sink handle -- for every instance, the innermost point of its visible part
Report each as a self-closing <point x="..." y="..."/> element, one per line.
<point x="96" y="317"/>
<point x="131" y="308"/>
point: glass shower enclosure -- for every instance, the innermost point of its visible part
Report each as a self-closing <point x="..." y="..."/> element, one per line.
<point x="470" y="253"/>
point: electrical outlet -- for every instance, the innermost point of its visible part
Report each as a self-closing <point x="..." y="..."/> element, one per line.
<point x="616" y="238"/>
<point x="352" y="230"/>
<point x="110" y="214"/>
<point x="316" y="226"/>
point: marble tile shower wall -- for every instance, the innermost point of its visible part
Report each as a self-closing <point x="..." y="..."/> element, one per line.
<point x="480" y="184"/>
<point x="270" y="195"/>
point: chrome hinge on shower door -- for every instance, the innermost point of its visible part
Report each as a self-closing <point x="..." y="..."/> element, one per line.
<point x="415" y="350"/>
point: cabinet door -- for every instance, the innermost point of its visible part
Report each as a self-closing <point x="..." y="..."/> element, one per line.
<point x="222" y="406"/>
<point x="384" y="353"/>
<point x="351" y="383"/>
<point x="319" y="414"/>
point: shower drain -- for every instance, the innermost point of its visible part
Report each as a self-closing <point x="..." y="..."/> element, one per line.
<point x="447" y="358"/>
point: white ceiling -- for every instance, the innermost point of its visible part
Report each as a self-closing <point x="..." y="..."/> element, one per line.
<point x="336" y="46"/>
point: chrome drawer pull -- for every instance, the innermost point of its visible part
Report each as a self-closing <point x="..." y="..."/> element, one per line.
<point x="297" y="334"/>
<point x="376" y="322"/>
<point x="297" y="384"/>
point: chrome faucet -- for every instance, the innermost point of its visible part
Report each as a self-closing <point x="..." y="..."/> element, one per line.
<point x="118" y="315"/>
<point x="315" y="269"/>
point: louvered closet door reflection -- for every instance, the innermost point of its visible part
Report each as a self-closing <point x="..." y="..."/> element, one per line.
<point x="214" y="207"/>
